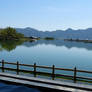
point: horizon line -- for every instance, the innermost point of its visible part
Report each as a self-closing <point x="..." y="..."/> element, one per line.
<point x="49" y="30"/>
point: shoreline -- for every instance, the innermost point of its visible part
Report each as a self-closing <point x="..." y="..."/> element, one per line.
<point x="78" y="40"/>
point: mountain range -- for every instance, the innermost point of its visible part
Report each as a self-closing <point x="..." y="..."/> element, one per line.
<point x="62" y="34"/>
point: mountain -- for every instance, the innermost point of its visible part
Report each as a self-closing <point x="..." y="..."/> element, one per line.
<point x="63" y="34"/>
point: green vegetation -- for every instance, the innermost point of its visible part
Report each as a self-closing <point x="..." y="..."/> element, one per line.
<point x="10" y="45"/>
<point x="10" y="34"/>
<point x="10" y="39"/>
<point x="49" y="38"/>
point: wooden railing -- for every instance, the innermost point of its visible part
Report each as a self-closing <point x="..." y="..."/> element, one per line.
<point x="74" y="77"/>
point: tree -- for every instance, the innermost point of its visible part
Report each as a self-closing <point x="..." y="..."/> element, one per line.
<point x="10" y="33"/>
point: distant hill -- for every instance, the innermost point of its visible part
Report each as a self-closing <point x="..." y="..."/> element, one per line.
<point x="69" y="33"/>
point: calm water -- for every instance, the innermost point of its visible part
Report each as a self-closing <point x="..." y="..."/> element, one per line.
<point x="60" y="53"/>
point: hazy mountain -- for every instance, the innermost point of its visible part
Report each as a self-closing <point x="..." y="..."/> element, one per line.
<point x="69" y="33"/>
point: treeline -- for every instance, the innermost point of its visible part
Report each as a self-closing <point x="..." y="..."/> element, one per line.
<point x="10" y="34"/>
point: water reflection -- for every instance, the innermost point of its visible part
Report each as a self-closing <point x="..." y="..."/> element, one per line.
<point x="11" y="45"/>
<point x="60" y="43"/>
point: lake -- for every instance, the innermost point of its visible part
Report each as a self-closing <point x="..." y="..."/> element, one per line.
<point x="61" y="53"/>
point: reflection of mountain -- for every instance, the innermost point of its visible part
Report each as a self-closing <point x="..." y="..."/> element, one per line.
<point x="69" y="33"/>
<point x="9" y="45"/>
<point x="59" y="43"/>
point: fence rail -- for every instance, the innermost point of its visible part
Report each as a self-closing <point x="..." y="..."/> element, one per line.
<point x="74" y="77"/>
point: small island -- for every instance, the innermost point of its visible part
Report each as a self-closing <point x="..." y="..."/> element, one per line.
<point x="49" y="38"/>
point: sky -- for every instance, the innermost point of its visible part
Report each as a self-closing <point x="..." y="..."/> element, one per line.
<point x="46" y="14"/>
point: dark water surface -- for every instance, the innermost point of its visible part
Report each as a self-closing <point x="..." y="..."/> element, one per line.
<point x="13" y="88"/>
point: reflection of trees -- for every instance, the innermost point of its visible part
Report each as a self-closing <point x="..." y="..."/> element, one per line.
<point x="9" y="44"/>
<point x="12" y="44"/>
<point x="1" y="49"/>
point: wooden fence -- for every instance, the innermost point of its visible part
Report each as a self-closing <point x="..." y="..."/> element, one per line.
<point x="74" y="77"/>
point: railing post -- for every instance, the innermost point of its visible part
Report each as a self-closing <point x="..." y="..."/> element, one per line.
<point x="2" y="65"/>
<point x="34" y="69"/>
<point x="75" y="73"/>
<point x="17" y="68"/>
<point x="53" y="72"/>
